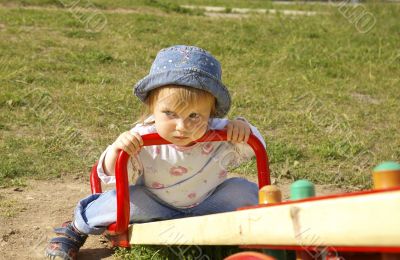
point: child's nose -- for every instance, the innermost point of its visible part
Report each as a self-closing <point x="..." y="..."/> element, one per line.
<point x="180" y="124"/>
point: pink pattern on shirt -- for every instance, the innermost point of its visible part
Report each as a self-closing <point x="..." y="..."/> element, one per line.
<point x="192" y="195"/>
<point x="157" y="185"/>
<point x="207" y="148"/>
<point x="222" y="174"/>
<point x="178" y="171"/>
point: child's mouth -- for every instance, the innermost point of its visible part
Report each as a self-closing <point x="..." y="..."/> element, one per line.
<point x="181" y="137"/>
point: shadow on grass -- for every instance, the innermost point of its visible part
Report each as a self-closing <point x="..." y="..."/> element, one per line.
<point x="95" y="253"/>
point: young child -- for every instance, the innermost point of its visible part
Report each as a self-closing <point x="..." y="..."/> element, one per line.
<point x="185" y="98"/>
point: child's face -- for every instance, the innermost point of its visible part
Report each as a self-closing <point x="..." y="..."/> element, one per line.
<point x="182" y="124"/>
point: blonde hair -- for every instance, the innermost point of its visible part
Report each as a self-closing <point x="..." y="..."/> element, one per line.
<point x="182" y="98"/>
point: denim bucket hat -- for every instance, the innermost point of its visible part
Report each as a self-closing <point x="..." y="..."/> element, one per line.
<point x="186" y="66"/>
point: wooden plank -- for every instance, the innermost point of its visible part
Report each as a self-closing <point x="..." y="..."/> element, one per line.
<point x="364" y="220"/>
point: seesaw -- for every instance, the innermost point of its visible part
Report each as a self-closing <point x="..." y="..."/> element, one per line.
<point x="327" y="227"/>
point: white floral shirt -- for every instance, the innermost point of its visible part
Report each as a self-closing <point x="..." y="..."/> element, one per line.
<point x="185" y="176"/>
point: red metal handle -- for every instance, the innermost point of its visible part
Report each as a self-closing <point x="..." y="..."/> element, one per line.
<point x="121" y="171"/>
<point x="95" y="183"/>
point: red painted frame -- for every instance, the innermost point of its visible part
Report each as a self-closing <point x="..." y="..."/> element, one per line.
<point x="120" y="227"/>
<point x="122" y="187"/>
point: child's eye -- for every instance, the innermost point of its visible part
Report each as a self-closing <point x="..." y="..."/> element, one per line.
<point x="194" y="116"/>
<point x="169" y="113"/>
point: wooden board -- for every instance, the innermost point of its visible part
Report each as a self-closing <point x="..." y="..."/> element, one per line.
<point x="364" y="220"/>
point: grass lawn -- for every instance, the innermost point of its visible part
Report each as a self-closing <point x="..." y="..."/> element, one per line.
<point x="164" y="4"/>
<point x="324" y="92"/>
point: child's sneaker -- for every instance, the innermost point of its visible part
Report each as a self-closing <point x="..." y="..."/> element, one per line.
<point x="66" y="245"/>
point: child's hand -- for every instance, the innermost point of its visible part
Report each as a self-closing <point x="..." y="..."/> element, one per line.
<point x="130" y="142"/>
<point x="238" y="131"/>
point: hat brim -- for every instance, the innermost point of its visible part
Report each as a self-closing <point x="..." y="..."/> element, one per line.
<point x="187" y="77"/>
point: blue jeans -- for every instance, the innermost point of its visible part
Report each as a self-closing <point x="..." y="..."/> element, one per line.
<point x="94" y="213"/>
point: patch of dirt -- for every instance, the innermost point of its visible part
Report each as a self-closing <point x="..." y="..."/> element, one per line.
<point x="225" y="15"/>
<point x="237" y="11"/>
<point x="43" y="205"/>
<point x="37" y="209"/>
<point x="365" y="98"/>
<point x="74" y="9"/>
<point x="211" y="11"/>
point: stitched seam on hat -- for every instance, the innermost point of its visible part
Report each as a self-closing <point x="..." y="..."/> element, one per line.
<point x="192" y="48"/>
<point x="203" y="86"/>
<point x="186" y="70"/>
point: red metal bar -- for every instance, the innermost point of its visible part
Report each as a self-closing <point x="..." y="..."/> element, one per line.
<point x="122" y="189"/>
<point x="121" y="172"/>
<point x="264" y="175"/>
<point x="95" y="183"/>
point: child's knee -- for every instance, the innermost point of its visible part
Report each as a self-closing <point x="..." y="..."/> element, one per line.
<point x="241" y="192"/>
<point x="242" y="185"/>
<point x="248" y="192"/>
